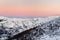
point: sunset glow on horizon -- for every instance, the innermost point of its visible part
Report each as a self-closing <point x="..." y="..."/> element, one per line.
<point x="29" y="7"/>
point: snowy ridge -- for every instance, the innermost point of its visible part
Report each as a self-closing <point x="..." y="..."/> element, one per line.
<point x="16" y="22"/>
<point x="13" y="26"/>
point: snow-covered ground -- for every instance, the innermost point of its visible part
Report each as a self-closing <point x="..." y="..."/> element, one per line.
<point x="12" y="26"/>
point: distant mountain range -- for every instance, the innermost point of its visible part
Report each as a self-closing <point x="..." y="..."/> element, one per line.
<point x="12" y="27"/>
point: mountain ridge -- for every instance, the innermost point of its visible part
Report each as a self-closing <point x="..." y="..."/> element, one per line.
<point x="13" y="26"/>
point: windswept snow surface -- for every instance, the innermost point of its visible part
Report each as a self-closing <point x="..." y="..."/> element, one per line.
<point x="12" y="26"/>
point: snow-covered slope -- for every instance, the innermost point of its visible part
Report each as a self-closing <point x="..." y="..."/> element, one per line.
<point x="12" y="26"/>
<point x="49" y="30"/>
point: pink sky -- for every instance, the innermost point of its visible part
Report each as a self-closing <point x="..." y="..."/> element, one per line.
<point x="29" y="8"/>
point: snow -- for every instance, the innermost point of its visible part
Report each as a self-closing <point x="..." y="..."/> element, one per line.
<point x="47" y="37"/>
<point x="21" y="24"/>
